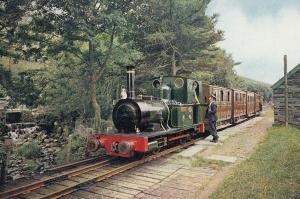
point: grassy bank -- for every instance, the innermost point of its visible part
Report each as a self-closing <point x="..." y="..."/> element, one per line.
<point x="273" y="171"/>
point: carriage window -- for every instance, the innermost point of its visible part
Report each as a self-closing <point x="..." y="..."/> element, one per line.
<point x="240" y="96"/>
<point x="236" y="97"/>
<point x="222" y="96"/>
<point x="228" y="96"/>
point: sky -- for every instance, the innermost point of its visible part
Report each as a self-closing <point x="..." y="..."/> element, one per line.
<point x="258" y="34"/>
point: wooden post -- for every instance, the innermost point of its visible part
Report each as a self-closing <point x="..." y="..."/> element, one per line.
<point x="7" y="146"/>
<point x="3" y="169"/>
<point x="69" y="148"/>
<point x="286" y="93"/>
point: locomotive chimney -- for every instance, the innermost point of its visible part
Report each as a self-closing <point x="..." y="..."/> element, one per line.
<point x="130" y="82"/>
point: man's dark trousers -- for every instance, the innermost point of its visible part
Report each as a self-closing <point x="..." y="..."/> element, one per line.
<point x="212" y="120"/>
<point x="212" y="129"/>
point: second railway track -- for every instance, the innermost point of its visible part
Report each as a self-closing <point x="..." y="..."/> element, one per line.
<point x="67" y="182"/>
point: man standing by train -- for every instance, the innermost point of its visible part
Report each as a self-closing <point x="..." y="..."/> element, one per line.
<point x="212" y="118"/>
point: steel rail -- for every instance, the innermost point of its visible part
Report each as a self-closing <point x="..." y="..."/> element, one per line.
<point x="44" y="181"/>
<point x="102" y="176"/>
<point x="73" y="164"/>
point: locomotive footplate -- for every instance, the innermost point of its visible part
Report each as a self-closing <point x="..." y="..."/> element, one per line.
<point x="154" y="134"/>
<point x="126" y="145"/>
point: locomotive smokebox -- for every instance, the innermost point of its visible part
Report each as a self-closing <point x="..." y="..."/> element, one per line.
<point x="130" y="115"/>
<point x="130" y="81"/>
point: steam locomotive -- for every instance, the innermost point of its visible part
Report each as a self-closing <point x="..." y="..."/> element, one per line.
<point x="148" y="124"/>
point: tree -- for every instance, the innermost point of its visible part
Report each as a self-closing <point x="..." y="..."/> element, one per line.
<point x="5" y="81"/>
<point x="93" y="31"/>
<point x="23" y="90"/>
<point x="254" y="86"/>
<point x="177" y="33"/>
<point x="11" y="13"/>
<point x="20" y="89"/>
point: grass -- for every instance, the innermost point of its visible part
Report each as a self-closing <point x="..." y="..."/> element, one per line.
<point x="269" y="112"/>
<point x="273" y="171"/>
<point x="77" y="150"/>
<point x="199" y="161"/>
<point x="29" y="150"/>
<point x="215" y="164"/>
<point x="31" y="165"/>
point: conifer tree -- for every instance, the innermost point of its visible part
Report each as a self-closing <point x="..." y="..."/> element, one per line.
<point x="178" y="33"/>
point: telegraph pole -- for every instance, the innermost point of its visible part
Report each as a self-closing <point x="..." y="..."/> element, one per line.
<point x="286" y="93"/>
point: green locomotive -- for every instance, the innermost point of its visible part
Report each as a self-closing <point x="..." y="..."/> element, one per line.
<point x="176" y="113"/>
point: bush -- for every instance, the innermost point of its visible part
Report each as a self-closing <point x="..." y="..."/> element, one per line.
<point x="31" y="165"/>
<point x="77" y="152"/>
<point x="29" y="150"/>
<point x="27" y="116"/>
<point x="61" y="156"/>
<point x="3" y="130"/>
<point x="105" y="124"/>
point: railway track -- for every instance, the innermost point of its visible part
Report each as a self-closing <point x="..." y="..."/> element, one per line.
<point x="66" y="182"/>
<point x="73" y="164"/>
<point x="48" y="180"/>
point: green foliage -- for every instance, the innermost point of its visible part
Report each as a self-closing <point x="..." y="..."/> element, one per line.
<point x="205" y="76"/>
<point x="78" y="143"/>
<point x="11" y="13"/>
<point x="86" y="37"/>
<point x="3" y="130"/>
<point x="255" y="86"/>
<point x="5" y="81"/>
<point x="79" y="50"/>
<point x="77" y="150"/>
<point x="61" y="156"/>
<point x="24" y="91"/>
<point x="29" y="150"/>
<point x="105" y="124"/>
<point x="179" y="36"/>
<point x="20" y="87"/>
<point x="3" y="91"/>
<point x="199" y="161"/>
<point x="271" y="172"/>
<point x="31" y="165"/>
